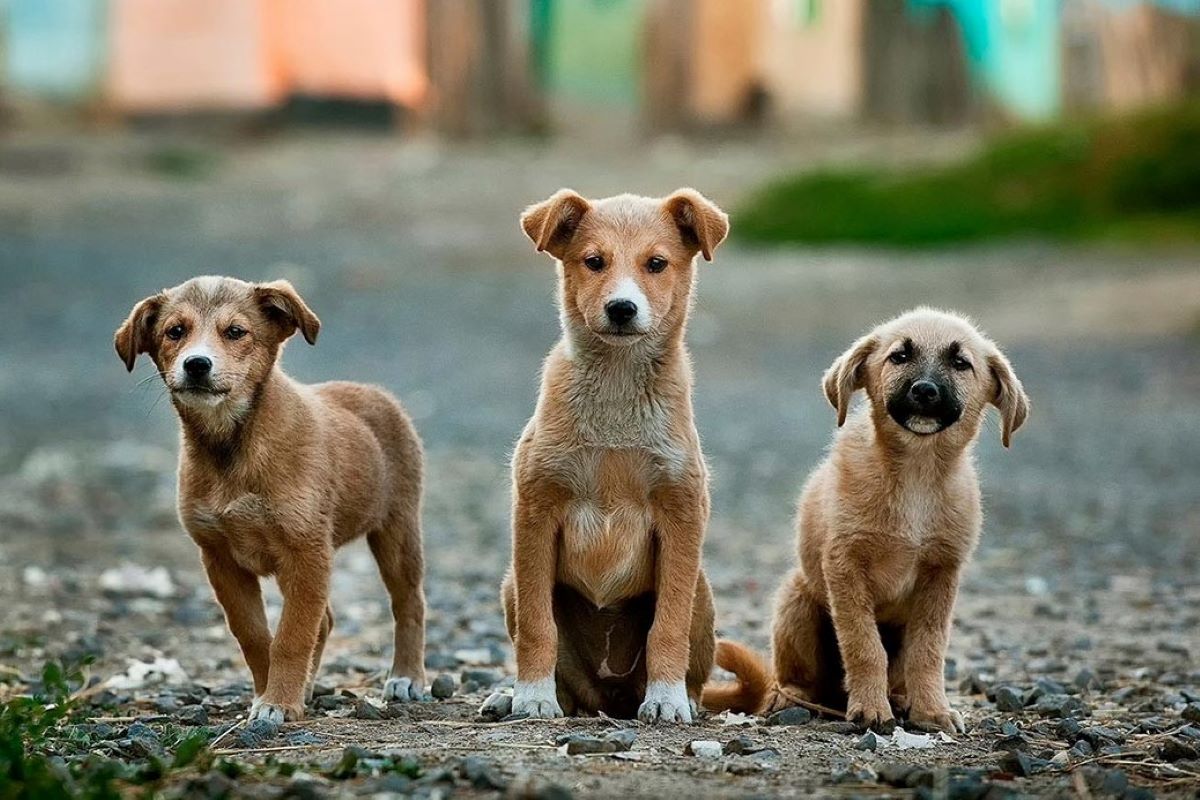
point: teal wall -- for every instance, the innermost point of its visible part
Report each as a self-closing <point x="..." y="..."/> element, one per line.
<point x="54" y="48"/>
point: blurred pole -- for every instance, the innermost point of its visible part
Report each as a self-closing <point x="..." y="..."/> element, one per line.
<point x="481" y="68"/>
<point x="667" y="65"/>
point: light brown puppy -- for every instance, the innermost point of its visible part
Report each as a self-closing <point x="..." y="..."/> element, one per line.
<point x="605" y="601"/>
<point x="886" y="524"/>
<point x="275" y="475"/>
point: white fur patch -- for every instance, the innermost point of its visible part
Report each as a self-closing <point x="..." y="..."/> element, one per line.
<point x="666" y="702"/>
<point x="628" y="289"/>
<point x="402" y="690"/>
<point x="538" y="699"/>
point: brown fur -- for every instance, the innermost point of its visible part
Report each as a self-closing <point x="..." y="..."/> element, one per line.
<point x="886" y="524"/>
<point x="275" y="475"/>
<point x="606" y="602"/>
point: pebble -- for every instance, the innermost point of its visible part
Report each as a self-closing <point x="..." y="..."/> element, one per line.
<point x="496" y="707"/>
<point x="790" y="716"/>
<point x="443" y="686"/>
<point x="742" y="746"/>
<point x="255" y="733"/>
<point x="1017" y="763"/>
<point x="703" y="748"/>
<point x="905" y="776"/>
<point x="1009" y="698"/>
<point x="482" y="774"/>
<point x="869" y="741"/>
<point x="1175" y="750"/>
<point x="1087" y="679"/>
<point x="331" y="702"/>
<point x="192" y="715"/>
<point x="1061" y="705"/>
<point x="364" y="709"/>
<point x="1191" y="712"/>
<point x="582" y="743"/>
<point x="484" y="678"/>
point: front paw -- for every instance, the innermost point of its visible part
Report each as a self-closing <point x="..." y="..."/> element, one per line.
<point x="403" y="690"/>
<point x="536" y="699"/>
<point x="871" y="710"/>
<point x="275" y="712"/>
<point x="666" y="702"/>
<point x="936" y="717"/>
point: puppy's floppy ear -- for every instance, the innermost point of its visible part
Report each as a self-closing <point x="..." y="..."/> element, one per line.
<point x="551" y="223"/>
<point x="135" y="336"/>
<point x="845" y="375"/>
<point x="702" y="224"/>
<point x="1009" y="397"/>
<point x="281" y="303"/>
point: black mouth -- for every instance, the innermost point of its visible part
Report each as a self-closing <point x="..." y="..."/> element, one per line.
<point x="923" y="420"/>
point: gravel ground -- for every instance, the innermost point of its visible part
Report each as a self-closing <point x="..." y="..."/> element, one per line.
<point x="1074" y="653"/>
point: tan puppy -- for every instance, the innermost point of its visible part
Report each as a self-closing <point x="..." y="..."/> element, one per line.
<point x="275" y="475"/>
<point x="886" y="524"/>
<point x="605" y="601"/>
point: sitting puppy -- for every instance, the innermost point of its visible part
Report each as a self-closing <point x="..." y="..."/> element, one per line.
<point x="275" y="475"/>
<point x="605" y="601"/>
<point x="886" y="524"/>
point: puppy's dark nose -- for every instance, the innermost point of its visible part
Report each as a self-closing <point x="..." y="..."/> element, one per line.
<point x="197" y="366"/>
<point x="620" y="311"/>
<point x="924" y="393"/>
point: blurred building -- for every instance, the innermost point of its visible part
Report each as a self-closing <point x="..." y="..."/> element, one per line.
<point x="480" y="66"/>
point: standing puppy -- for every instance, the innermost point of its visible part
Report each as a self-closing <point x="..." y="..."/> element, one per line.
<point x="605" y="601"/>
<point x="886" y="524"/>
<point x="275" y="475"/>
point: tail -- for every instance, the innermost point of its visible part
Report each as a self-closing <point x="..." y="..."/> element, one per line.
<point x="748" y="694"/>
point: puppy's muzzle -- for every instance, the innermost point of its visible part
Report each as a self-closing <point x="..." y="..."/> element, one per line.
<point x="925" y="406"/>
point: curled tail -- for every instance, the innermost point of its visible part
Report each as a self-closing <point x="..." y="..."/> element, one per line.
<point x="749" y="693"/>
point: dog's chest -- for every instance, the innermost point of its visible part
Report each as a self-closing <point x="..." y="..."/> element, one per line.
<point x="241" y="524"/>
<point x="607" y="550"/>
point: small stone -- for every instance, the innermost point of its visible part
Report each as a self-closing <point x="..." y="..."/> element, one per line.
<point x="1061" y="760"/>
<point x="853" y="772"/>
<point x="482" y="774"/>
<point x="703" y="748"/>
<point x="322" y="689"/>
<point x="623" y="738"/>
<point x="1190" y="731"/>
<point x="443" y="686"/>
<point x="192" y="715"/>
<point x="484" y="678"/>
<point x="1009" y="698"/>
<point x="1106" y="781"/>
<point x="1191" y="712"/>
<point x="1086" y="679"/>
<point x="869" y="741"/>
<point x="497" y="706"/>
<point x="364" y="709"/>
<point x="1081" y="749"/>
<point x="255" y="733"/>
<point x="1017" y="763"/>
<point x="790" y="716"/>
<point x="1174" y="750"/>
<point x="1012" y="744"/>
<point x="331" y="702"/>
<point x="1069" y="729"/>
<point x="585" y="744"/>
<point x="741" y="746"/>
<point x="167" y="704"/>
<point x="1061" y="705"/>
<point x="1099" y="736"/>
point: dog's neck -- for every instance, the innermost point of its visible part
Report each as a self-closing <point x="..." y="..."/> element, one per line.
<point x="624" y="396"/>
<point x="920" y="460"/>
<point x="230" y="436"/>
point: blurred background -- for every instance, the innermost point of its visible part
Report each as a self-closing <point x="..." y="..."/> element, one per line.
<point x="1034" y="163"/>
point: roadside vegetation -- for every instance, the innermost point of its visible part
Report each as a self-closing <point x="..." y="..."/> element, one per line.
<point x="1131" y="178"/>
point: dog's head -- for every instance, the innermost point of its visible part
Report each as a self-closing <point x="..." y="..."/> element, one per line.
<point x="626" y="261"/>
<point x="215" y="340"/>
<point x="929" y="373"/>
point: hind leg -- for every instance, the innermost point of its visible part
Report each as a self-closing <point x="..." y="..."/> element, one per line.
<point x="796" y="643"/>
<point x="322" y="638"/>
<point x="397" y="551"/>
<point x="703" y="642"/>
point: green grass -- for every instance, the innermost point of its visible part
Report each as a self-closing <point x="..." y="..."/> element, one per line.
<point x="1134" y="178"/>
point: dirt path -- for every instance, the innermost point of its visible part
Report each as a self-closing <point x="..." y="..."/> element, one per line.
<point x="411" y="255"/>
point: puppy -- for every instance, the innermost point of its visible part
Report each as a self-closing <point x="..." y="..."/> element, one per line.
<point x="605" y="601"/>
<point x="886" y="524"/>
<point x="275" y="475"/>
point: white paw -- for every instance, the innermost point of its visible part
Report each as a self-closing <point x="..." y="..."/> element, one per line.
<point x="538" y="699"/>
<point x="402" y="690"/>
<point x="271" y="713"/>
<point x="666" y="702"/>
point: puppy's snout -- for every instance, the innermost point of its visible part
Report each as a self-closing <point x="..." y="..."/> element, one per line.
<point x="196" y="367"/>
<point x="924" y="393"/>
<point x="620" y="312"/>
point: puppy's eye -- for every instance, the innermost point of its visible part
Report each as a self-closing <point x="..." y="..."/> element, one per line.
<point x="176" y="332"/>
<point x="656" y="264"/>
<point x="898" y="357"/>
<point x="960" y="364"/>
<point x="234" y="332"/>
<point x="594" y="263"/>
